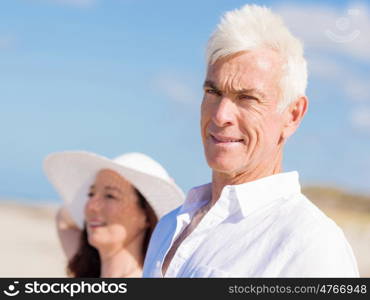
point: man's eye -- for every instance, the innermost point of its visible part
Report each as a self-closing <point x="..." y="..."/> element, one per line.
<point x="246" y="97"/>
<point x="212" y="92"/>
<point x="91" y="194"/>
<point x="110" y="196"/>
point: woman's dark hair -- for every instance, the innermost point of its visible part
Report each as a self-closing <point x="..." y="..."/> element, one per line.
<point x="86" y="262"/>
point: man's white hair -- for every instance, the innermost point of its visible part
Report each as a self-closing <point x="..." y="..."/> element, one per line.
<point x="252" y="27"/>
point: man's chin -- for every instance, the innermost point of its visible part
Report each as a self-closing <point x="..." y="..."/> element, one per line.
<point x="222" y="166"/>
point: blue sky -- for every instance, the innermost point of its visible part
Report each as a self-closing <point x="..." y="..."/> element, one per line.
<point x="116" y="76"/>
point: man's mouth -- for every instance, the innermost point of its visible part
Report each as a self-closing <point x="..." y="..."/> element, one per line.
<point x="219" y="139"/>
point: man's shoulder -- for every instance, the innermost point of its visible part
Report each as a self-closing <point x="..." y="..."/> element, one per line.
<point x="301" y="209"/>
<point x="317" y="243"/>
<point x="303" y="218"/>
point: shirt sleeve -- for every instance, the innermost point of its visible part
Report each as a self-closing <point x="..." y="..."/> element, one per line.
<point x="325" y="252"/>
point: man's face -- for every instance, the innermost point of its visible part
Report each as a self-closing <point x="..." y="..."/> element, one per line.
<point x="240" y="125"/>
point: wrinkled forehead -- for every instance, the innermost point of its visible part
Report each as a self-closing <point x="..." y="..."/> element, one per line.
<point x="260" y="69"/>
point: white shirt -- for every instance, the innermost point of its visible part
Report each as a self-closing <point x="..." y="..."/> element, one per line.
<point x="263" y="228"/>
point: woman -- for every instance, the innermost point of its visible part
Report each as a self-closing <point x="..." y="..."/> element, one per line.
<point x="110" y="210"/>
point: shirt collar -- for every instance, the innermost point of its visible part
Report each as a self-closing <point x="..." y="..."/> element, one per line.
<point x="257" y="194"/>
<point x="247" y="197"/>
<point x="196" y="196"/>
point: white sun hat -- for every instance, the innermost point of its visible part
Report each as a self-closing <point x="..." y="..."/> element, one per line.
<point x="73" y="172"/>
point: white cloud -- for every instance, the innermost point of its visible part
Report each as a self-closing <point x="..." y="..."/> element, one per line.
<point x="360" y="118"/>
<point x="354" y="84"/>
<point x="330" y="29"/>
<point x="176" y="87"/>
<point x="329" y="33"/>
<point x="358" y="88"/>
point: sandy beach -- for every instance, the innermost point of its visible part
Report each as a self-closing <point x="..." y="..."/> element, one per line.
<point x="30" y="246"/>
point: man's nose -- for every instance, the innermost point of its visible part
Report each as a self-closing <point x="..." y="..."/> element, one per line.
<point x="224" y="114"/>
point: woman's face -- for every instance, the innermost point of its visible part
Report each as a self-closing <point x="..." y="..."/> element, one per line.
<point x="114" y="217"/>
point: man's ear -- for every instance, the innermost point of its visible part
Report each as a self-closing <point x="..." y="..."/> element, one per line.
<point x="293" y="116"/>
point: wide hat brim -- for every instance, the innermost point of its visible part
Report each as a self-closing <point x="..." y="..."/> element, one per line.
<point x="73" y="172"/>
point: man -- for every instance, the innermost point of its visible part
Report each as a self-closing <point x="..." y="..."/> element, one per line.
<point x="251" y="220"/>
